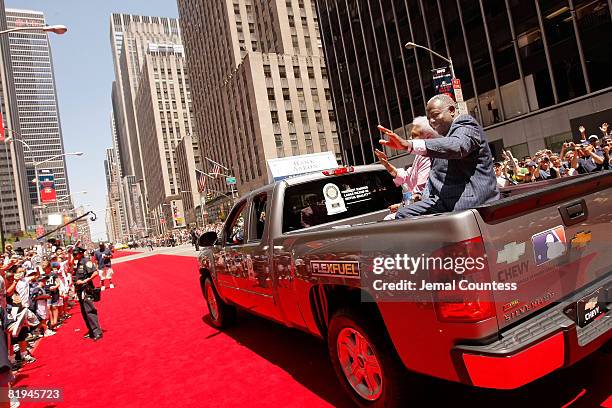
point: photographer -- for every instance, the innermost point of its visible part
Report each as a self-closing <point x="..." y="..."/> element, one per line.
<point x="589" y="160"/>
<point x="84" y="275"/>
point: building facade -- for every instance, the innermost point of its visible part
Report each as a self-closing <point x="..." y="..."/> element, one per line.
<point x="15" y="206"/>
<point x="529" y="70"/>
<point x="36" y="107"/>
<point x="259" y="84"/>
<point x="188" y="159"/>
<point x="130" y="36"/>
<point x="163" y="112"/>
<point x="115" y="221"/>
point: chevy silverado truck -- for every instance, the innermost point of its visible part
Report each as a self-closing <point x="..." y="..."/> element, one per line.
<point x="308" y="252"/>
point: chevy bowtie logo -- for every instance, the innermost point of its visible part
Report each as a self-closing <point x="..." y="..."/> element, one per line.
<point x="582" y="239"/>
<point x="511" y="252"/>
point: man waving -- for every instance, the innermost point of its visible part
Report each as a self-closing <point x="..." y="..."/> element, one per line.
<point x="461" y="174"/>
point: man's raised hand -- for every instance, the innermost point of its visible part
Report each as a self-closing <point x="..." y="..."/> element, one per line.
<point x="394" y="142"/>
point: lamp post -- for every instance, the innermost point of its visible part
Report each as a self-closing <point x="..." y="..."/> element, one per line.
<point x="63" y="198"/>
<point x="461" y="106"/>
<point x="56" y="29"/>
<point x="13" y="139"/>
<point x="410" y="45"/>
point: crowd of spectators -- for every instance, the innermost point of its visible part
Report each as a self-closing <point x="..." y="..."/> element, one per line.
<point x="590" y="154"/>
<point x="36" y="294"/>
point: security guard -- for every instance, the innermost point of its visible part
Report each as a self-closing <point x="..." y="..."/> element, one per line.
<point x="85" y="272"/>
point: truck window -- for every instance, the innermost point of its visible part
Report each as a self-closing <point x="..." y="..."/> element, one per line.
<point x="258" y="220"/>
<point x="336" y="198"/>
<point x="236" y="225"/>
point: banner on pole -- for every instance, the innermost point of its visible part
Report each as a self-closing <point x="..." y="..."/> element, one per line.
<point x="443" y="81"/>
<point x="46" y="182"/>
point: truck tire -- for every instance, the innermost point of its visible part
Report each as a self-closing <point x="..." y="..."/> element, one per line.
<point x="365" y="360"/>
<point x="222" y="315"/>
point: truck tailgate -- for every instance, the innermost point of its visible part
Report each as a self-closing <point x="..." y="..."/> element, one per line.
<point x="550" y="243"/>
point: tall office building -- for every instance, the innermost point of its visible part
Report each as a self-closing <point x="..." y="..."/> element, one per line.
<point x="15" y="208"/>
<point x="531" y="71"/>
<point x="130" y="36"/>
<point x="188" y="159"/>
<point x="36" y="105"/>
<point x="259" y="84"/>
<point x="163" y="106"/>
<point x="114" y="219"/>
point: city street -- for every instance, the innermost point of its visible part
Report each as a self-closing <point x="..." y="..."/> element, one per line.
<point x="159" y="350"/>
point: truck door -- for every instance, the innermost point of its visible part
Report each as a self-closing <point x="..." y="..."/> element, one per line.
<point x="256" y="280"/>
<point x="233" y="236"/>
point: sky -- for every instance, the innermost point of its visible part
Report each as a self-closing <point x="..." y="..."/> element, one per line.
<point x="83" y="65"/>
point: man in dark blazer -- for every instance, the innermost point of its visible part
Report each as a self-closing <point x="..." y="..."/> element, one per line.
<point x="461" y="175"/>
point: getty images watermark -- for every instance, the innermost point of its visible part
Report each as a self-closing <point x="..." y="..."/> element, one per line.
<point x="403" y="274"/>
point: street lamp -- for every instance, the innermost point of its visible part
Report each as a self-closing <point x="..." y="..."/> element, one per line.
<point x="410" y="45"/>
<point x="56" y="29"/>
<point x="14" y="139"/>
<point x="64" y="198"/>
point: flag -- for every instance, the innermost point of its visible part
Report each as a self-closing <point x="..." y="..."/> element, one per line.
<point x="201" y="178"/>
<point x="216" y="170"/>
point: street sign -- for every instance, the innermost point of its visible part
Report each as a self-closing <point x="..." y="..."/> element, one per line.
<point x="461" y="105"/>
<point x="230" y="180"/>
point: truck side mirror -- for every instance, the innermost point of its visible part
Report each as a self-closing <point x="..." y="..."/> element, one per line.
<point x="208" y="239"/>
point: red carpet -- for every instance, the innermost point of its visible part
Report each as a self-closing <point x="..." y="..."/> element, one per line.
<point x="158" y="351"/>
<point x="122" y="253"/>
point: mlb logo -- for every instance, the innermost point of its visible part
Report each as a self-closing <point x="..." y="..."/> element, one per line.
<point x="549" y="245"/>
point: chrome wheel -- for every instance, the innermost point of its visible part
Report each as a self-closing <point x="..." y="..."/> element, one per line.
<point x="359" y="364"/>
<point x="213" y="308"/>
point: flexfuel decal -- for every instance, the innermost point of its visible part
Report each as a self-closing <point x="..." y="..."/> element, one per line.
<point x="340" y="269"/>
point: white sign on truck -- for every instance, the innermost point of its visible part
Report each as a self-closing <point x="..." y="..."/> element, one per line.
<point x="279" y="169"/>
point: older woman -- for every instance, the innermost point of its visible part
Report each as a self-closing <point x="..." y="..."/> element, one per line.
<point x="414" y="179"/>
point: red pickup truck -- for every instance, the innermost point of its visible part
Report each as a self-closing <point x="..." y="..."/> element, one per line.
<point x="311" y="252"/>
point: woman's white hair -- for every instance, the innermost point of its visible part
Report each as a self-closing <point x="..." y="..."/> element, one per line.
<point x="426" y="129"/>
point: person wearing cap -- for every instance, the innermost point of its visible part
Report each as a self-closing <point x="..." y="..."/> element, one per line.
<point x="589" y="160"/>
<point x="501" y="175"/>
<point x="544" y="171"/>
<point x="84" y="275"/>
<point x="600" y="152"/>
<point x="103" y="258"/>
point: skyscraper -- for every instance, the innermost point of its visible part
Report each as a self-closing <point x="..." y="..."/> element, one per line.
<point x="15" y="207"/>
<point x="36" y="100"/>
<point x="259" y="83"/>
<point x="163" y="111"/>
<point x="531" y="71"/>
<point x="130" y="36"/>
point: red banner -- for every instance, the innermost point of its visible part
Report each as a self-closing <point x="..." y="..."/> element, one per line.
<point x="46" y="182"/>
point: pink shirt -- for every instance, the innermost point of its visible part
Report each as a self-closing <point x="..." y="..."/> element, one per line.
<point x="415" y="177"/>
